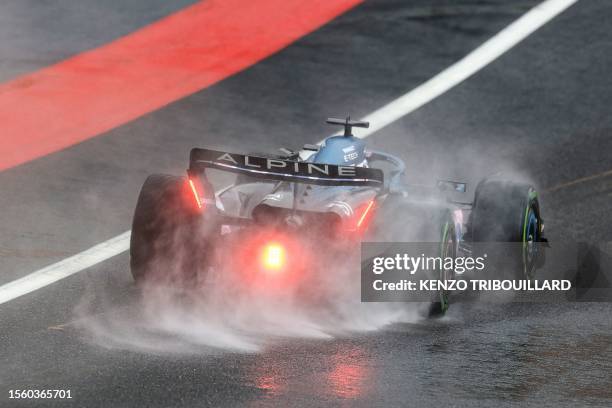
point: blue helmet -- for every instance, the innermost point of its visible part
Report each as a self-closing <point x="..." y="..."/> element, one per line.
<point x="344" y="150"/>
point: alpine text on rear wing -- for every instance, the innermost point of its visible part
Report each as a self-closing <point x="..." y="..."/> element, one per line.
<point x="287" y="170"/>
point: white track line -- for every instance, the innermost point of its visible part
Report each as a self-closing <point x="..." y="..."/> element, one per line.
<point x="466" y="67"/>
<point x="436" y="86"/>
<point x="65" y="268"/>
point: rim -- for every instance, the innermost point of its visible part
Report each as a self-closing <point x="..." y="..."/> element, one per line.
<point x="448" y="249"/>
<point x="530" y="241"/>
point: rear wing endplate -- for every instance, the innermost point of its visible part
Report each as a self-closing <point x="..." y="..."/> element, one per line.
<point x="448" y="185"/>
<point x="287" y="170"/>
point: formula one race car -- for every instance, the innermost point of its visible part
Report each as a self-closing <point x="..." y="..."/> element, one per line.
<point x="281" y="217"/>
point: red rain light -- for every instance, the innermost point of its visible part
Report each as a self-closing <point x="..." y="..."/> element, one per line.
<point x="273" y="257"/>
<point x="272" y="261"/>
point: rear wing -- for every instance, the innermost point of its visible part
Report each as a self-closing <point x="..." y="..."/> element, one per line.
<point x="287" y="170"/>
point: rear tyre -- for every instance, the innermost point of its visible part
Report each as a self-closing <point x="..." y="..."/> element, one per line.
<point x="510" y="212"/>
<point x="167" y="245"/>
<point x="448" y="249"/>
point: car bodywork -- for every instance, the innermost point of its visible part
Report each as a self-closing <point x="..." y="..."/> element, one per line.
<point x="326" y="199"/>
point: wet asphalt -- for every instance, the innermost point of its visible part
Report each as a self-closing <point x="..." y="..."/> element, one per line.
<point x="541" y="112"/>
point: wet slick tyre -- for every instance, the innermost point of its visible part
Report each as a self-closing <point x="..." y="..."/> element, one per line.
<point x="166" y="246"/>
<point x="509" y="212"/>
<point x="448" y="249"/>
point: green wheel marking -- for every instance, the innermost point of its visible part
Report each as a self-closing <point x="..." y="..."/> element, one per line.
<point x="443" y="300"/>
<point x="525" y="226"/>
<point x="444" y="232"/>
<point x="533" y="194"/>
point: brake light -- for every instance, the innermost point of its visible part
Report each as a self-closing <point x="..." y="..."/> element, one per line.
<point x="196" y="194"/>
